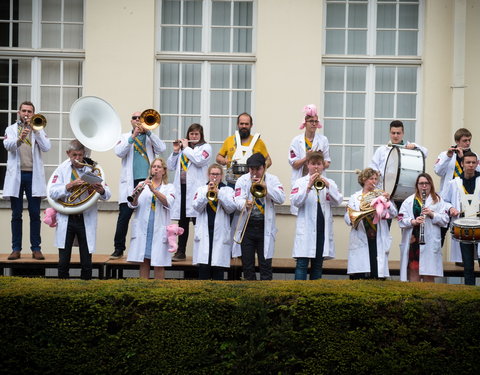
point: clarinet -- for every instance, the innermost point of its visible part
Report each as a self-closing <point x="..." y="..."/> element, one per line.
<point x="138" y="190"/>
<point x="421" y="240"/>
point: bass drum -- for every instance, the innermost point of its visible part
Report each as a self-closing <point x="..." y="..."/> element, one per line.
<point x="401" y="171"/>
<point x="72" y="209"/>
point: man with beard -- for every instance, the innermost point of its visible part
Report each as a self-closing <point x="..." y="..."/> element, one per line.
<point x="239" y="147"/>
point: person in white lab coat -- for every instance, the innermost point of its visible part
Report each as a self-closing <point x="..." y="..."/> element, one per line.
<point x="305" y="143"/>
<point x="369" y="243"/>
<point x="314" y="229"/>
<point x="212" y="246"/>
<point x="137" y="149"/>
<point x="65" y="182"/>
<point x="190" y="159"/>
<point x="260" y="232"/>
<point x="463" y="193"/>
<point x="152" y="203"/>
<point x="25" y="174"/>
<point x="424" y="209"/>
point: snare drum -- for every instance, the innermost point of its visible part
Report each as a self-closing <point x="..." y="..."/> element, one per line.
<point x="466" y="230"/>
<point x="401" y="171"/>
<point x="239" y="168"/>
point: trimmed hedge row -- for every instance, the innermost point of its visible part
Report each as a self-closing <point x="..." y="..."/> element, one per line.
<point x="170" y="327"/>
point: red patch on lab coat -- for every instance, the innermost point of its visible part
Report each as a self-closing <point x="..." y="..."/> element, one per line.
<point x="292" y="154"/>
<point x="205" y="154"/>
<point x="295" y="191"/>
<point x="399" y="217"/>
<point x="195" y="197"/>
<point x="238" y="191"/>
<point x="55" y="178"/>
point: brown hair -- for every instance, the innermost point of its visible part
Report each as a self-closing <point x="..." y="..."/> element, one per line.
<point x="26" y="103"/>
<point x="366" y="174"/>
<point x="433" y="194"/>
<point x="462" y="132"/>
<point x="199" y="128"/>
<point x="316" y="156"/>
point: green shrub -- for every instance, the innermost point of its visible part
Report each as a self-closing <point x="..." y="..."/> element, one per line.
<point x="180" y="327"/>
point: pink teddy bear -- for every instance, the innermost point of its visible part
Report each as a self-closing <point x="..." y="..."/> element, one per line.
<point x="50" y="217"/>
<point x="381" y="206"/>
<point x="173" y="231"/>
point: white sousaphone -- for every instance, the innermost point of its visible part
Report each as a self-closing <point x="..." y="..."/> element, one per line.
<point x="96" y="124"/>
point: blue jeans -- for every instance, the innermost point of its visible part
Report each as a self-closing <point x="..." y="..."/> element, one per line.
<point x="468" y="258"/>
<point x="315" y="271"/>
<point x="16" y="205"/>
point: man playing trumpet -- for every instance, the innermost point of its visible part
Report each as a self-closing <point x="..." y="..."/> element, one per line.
<point x="25" y="174"/>
<point x="258" y="233"/>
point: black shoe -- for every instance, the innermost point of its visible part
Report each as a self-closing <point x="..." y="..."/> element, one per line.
<point x="179" y="255"/>
<point x="117" y="254"/>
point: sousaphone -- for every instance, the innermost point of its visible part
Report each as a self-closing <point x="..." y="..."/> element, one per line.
<point x="96" y="124"/>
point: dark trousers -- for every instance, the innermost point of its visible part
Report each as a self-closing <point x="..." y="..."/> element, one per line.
<point x="184" y="220"/>
<point x="124" y="215"/>
<point x="16" y="205"/>
<point x="372" y="253"/>
<point x="252" y="243"/>
<point x="75" y="227"/>
<point x="206" y="271"/>
<point x="468" y="258"/>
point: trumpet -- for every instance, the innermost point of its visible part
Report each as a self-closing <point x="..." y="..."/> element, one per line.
<point x="318" y="184"/>
<point x="212" y="194"/>
<point x="137" y="191"/>
<point x="257" y="191"/>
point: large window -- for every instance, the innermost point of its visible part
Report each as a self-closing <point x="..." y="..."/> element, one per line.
<point x="41" y="60"/>
<point x="371" y="70"/>
<point x="205" y="56"/>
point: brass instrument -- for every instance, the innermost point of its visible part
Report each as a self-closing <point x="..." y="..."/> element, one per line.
<point x="81" y="189"/>
<point x="38" y="122"/>
<point x="318" y="184"/>
<point x="138" y="189"/>
<point x="212" y="195"/>
<point x="150" y="119"/>
<point x="421" y="239"/>
<point x="365" y="208"/>
<point x="257" y="191"/>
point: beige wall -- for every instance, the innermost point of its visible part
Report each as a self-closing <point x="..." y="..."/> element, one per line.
<point x="120" y="67"/>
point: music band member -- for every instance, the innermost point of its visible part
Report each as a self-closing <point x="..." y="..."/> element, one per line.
<point x="463" y="193"/>
<point x="66" y="181"/>
<point x="303" y="144"/>
<point x="148" y="244"/>
<point x="260" y="231"/>
<point x="190" y="159"/>
<point x="421" y="216"/>
<point x="240" y="146"/>
<point x="25" y="174"/>
<point x="370" y="241"/>
<point x="136" y="149"/>
<point x="212" y="246"/>
<point x="314" y="195"/>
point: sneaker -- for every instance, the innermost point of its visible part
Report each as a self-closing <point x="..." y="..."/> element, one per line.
<point x="37" y="255"/>
<point x="117" y="254"/>
<point x="179" y="255"/>
<point x="14" y="255"/>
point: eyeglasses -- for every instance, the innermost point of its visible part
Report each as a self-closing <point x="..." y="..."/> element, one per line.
<point x="313" y="121"/>
<point x="424" y="183"/>
<point x="215" y="174"/>
<point x="135" y="117"/>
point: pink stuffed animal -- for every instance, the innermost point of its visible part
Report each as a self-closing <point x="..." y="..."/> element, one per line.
<point x="381" y="206"/>
<point x="173" y="231"/>
<point x="50" y="217"/>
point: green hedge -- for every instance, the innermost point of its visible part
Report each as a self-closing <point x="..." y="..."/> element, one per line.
<point x="281" y="327"/>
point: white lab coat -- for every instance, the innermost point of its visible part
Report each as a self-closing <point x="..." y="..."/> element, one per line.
<point x="125" y="151"/>
<point x="199" y="159"/>
<point x="275" y="195"/>
<point x="306" y="228"/>
<point x="451" y="194"/>
<point x="222" y="236"/>
<point x="445" y="166"/>
<point x="358" y="258"/>
<point x="297" y="151"/>
<point x="139" y="225"/>
<point x="431" y="261"/>
<point x="380" y="156"/>
<point x="61" y="177"/>
<point x="40" y="143"/>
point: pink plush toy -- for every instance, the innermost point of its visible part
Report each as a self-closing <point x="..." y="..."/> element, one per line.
<point x="309" y="110"/>
<point x="381" y="206"/>
<point x="50" y="217"/>
<point x="173" y="231"/>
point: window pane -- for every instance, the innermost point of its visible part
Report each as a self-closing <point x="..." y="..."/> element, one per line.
<point x="192" y="14"/>
<point x="336" y="156"/>
<point x="50" y="97"/>
<point x="333" y="130"/>
<point x="241" y="102"/>
<point x="384" y="78"/>
<point x="191" y="101"/>
<point x="50" y="72"/>
<point x="191" y="75"/>
<point x="407" y="43"/>
<point x="243" y="13"/>
<point x="73" y="37"/>
<point x="357" y="15"/>
<point x="192" y="39"/>
<point x="333" y="105"/>
<point x="221" y="13"/>
<point x="355" y="132"/>
<point x="169" y="128"/>
<point x="73" y="11"/>
<point x="386" y="43"/>
<point x="4" y="71"/>
<point x="406" y="105"/>
<point x="169" y="74"/>
<point x="351" y="184"/>
<point x="220" y="76"/>
<point x="4" y="32"/>
<point x="169" y="101"/>
<point x="171" y="12"/>
<point x="409" y="127"/>
<point x="220" y="40"/>
<point x="407" y="79"/>
<point x="353" y="158"/>
<point x="4" y="104"/>
<point x="408" y="16"/>
<point x="335" y="42"/>
<point x="335" y="15"/>
<point x="22" y="93"/>
<point x="51" y="36"/>
<point x="386" y="16"/>
<point x="381" y="132"/>
<point x="242" y="76"/>
<point x="384" y="105"/>
<point x="51" y="10"/>
<point x="334" y="78"/>
<point x="357" y="42"/>
<point x="70" y="94"/>
<point x="219" y="103"/>
<point x="24" y="35"/>
<point x="242" y="40"/>
<point x="24" y="71"/>
<point x="355" y="105"/>
<point x="356" y="78"/>
<point x="72" y="73"/>
<point x="219" y="129"/>
<point x="170" y="38"/>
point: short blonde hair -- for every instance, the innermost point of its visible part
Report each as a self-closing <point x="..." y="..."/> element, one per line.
<point x="164" y="165"/>
<point x="366" y="174"/>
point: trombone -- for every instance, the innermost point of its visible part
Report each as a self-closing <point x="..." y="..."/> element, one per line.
<point x="38" y="122"/>
<point x="257" y="191"/>
<point x="150" y="119"/>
